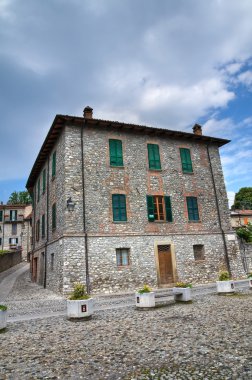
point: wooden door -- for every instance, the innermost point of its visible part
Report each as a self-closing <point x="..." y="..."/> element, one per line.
<point x="165" y="264"/>
<point x="35" y="269"/>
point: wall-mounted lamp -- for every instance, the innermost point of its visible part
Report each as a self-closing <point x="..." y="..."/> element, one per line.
<point x="70" y="204"/>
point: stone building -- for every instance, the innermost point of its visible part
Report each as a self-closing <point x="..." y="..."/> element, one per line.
<point x="117" y="205"/>
<point x="240" y="218"/>
<point x="15" y="228"/>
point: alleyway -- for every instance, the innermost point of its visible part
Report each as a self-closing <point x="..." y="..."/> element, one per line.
<point x="208" y="339"/>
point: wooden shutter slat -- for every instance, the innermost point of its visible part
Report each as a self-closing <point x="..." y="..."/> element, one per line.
<point x="150" y="208"/>
<point x="168" y="208"/>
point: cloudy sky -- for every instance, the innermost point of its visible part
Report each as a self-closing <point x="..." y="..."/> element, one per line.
<point x="165" y="63"/>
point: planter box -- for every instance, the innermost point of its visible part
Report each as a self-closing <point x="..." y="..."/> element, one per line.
<point x="80" y="308"/>
<point x="182" y="294"/>
<point x="225" y="286"/>
<point x="145" y="299"/>
<point x="3" y="319"/>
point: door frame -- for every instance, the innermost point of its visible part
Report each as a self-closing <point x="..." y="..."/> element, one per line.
<point x="173" y="259"/>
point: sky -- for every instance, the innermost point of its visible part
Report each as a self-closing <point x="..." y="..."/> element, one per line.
<point x="165" y="63"/>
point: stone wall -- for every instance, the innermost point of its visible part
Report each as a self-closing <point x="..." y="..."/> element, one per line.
<point x="10" y="259"/>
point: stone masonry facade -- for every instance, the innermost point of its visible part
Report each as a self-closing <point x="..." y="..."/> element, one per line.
<point x="84" y="244"/>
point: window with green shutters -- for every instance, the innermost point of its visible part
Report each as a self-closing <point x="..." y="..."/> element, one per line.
<point x="38" y="190"/>
<point x="159" y="208"/>
<point x="1" y="215"/>
<point x="13" y="215"/>
<point x="54" y="164"/>
<point x="43" y="226"/>
<point x="115" y="152"/>
<point x="154" y="157"/>
<point x="54" y="216"/>
<point x="186" y="161"/>
<point x="192" y="208"/>
<point x="44" y="181"/>
<point x="119" y="208"/>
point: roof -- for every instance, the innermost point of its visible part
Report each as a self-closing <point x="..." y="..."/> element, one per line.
<point x="61" y="120"/>
<point x="241" y="212"/>
<point x="9" y="206"/>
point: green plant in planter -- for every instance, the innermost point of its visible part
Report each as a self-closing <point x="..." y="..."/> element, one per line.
<point x="224" y="276"/>
<point x="250" y="275"/>
<point x="145" y="289"/>
<point x="79" y="292"/>
<point x="3" y="308"/>
<point x="183" y="285"/>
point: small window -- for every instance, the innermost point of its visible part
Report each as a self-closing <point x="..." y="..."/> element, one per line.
<point x="54" y="216"/>
<point x="192" y="207"/>
<point x="154" y="157"/>
<point x="122" y="257"/>
<point x="1" y="215"/>
<point x="13" y="241"/>
<point x="14" y="229"/>
<point x="13" y="215"/>
<point x="115" y="152"/>
<point x="38" y="190"/>
<point x="54" y="164"/>
<point x="119" y="208"/>
<point x="43" y="226"/>
<point x="159" y="208"/>
<point x="199" y="252"/>
<point x="37" y="230"/>
<point x="52" y="261"/>
<point x="186" y="161"/>
<point x="0" y="241"/>
<point x="44" y="181"/>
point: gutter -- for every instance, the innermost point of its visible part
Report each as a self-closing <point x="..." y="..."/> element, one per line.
<point x="47" y="223"/>
<point x="84" y="213"/>
<point x="218" y="212"/>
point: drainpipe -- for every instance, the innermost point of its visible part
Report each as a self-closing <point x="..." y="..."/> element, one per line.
<point x="47" y="222"/>
<point x="3" y="228"/>
<point x="84" y="213"/>
<point x="218" y="212"/>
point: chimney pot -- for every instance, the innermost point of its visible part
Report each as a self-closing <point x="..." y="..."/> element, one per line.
<point x="88" y="112"/>
<point x="197" y="129"/>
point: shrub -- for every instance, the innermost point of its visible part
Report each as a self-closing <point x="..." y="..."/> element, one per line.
<point x="3" y="307"/>
<point x="245" y="233"/>
<point x="250" y="275"/>
<point x="145" y="289"/>
<point x="224" y="276"/>
<point x="183" y="285"/>
<point x="79" y="292"/>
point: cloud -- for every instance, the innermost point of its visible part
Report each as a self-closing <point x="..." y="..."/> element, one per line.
<point x="231" y="196"/>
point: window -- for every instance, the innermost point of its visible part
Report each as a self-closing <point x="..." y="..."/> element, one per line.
<point x="186" y="161"/>
<point x="199" y="252"/>
<point x="43" y="226"/>
<point x="159" y="208"/>
<point x="192" y="207"/>
<point x="115" y="151"/>
<point x="1" y="215"/>
<point x="44" y="181"/>
<point x="0" y="241"/>
<point x="154" y="157"/>
<point x="54" y="164"/>
<point x="13" y="215"/>
<point x="13" y="241"/>
<point x="37" y="230"/>
<point x="38" y="190"/>
<point x="52" y="261"/>
<point x="119" y="208"/>
<point x="122" y="257"/>
<point x="14" y="229"/>
<point x="54" y="216"/>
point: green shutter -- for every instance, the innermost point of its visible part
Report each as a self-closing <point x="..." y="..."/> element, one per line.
<point x="186" y="161"/>
<point x="44" y="181"/>
<point x="1" y="215"/>
<point x="54" y="164"/>
<point x="43" y="226"/>
<point x="192" y="207"/>
<point x="54" y="216"/>
<point x="154" y="157"/>
<point x="150" y="208"/>
<point x="38" y="189"/>
<point x="168" y="209"/>
<point x="115" y="151"/>
<point x="119" y="208"/>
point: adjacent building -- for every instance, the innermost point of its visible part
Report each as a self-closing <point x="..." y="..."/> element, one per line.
<point x="240" y="218"/>
<point x="15" y="228"/>
<point x="118" y="205"/>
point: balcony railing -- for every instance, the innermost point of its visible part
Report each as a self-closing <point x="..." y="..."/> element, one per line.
<point x="8" y="219"/>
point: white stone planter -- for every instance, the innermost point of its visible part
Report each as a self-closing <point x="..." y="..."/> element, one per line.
<point x="145" y="299"/>
<point x="182" y="294"/>
<point x="3" y="319"/>
<point x="225" y="286"/>
<point x="80" y="308"/>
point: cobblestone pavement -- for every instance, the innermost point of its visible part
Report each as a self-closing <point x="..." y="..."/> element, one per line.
<point x="209" y="338"/>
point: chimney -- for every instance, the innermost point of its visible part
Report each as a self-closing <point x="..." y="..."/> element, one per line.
<point x="88" y="112"/>
<point x="197" y="129"/>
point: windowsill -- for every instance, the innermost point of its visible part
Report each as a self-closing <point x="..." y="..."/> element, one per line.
<point x="117" y="166"/>
<point x="119" y="221"/>
<point x="187" y="172"/>
<point x="194" y="221"/>
<point x="121" y="267"/>
<point x="200" y="261"/>
<point x="155" y="170"/>
<point x="53" y="177"/>
<point x="161" y="222"/>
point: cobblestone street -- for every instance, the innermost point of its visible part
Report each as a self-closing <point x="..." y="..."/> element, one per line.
<point x="207" y="339"/>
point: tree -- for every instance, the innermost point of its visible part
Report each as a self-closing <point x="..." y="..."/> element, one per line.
<point x="243" y="199"/>
<point x="19" y="198"/>
<point x="245" y="232"/>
